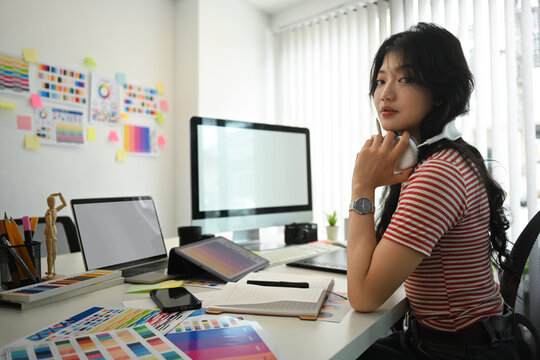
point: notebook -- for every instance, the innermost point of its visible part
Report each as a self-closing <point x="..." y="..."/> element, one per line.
<point x="335" y="261"/>
<point x="122" y="233"/>
<point x="244" y="298"/>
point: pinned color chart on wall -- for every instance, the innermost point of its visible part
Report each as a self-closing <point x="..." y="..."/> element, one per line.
<point x="14" y="75"/>
<point x="61" y="84"/>
<point x="105" y="100"/>
<point x="140" y="140"/>
<point x="140" y="100"/>
<point x="56" y="125"/>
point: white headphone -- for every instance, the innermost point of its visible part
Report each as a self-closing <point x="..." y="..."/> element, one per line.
<point x="410" y="156"/>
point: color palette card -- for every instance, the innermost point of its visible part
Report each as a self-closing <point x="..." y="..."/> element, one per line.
<point x="334" y="309"/>
<point x="203" y="336"/>
<point x="99" y="319"/>
<point x="140" y="100"/>
<point x="58" y="83"/>
<point x="140" y="140"/>
<point x="14" y="75"/>
<point x="54" y="287"/>
<point x="59" y="125"/>
<point x="140" y="342"/>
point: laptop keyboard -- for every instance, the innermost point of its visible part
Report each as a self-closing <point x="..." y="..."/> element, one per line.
<point x="141" y="269"/>
<point x="296" y="252"/>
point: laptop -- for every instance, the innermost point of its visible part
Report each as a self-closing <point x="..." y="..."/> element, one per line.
<point x="122" y="233"/>
<point x="335" y="261"/>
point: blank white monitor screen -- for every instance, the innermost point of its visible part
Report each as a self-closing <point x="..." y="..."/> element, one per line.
<point x="249" y="175"/>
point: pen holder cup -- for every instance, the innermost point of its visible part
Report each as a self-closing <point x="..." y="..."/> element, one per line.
<point x="12" y="274"/>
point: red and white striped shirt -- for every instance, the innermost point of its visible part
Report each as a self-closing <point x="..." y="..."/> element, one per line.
<point x="443" y="212"/>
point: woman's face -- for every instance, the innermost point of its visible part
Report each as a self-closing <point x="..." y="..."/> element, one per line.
<point x="401" y="104"/>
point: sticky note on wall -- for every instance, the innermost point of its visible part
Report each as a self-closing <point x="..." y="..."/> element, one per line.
<point x="91" y="134"/>
<point x="31" y="142"/>
<point x="160" y="88"/>
<point x="162" y="142"/>
<point x="164" y="105"/>
<point x="7" y="106"/>
<point x="35" y="100"/>
<point x="24" y="122"/>
<point x="113" y="136"/>
<point x="90" y="62"/>
<point x="121" y="155"/>
<point x="121" y="78"/>
<point x="30" y="55"/>
<point x="159" y="118"/>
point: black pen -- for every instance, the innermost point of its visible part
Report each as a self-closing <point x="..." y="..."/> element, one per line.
<point x="303" y="285"/>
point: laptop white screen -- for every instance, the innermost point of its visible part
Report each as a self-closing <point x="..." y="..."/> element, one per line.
<point x="118" y="232"/>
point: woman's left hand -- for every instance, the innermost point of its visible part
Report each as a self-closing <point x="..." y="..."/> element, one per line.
<point x="376" y="161"/>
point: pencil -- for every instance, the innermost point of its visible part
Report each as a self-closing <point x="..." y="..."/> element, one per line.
<point x="33" y="225"/>
<point x="378" y="126"/>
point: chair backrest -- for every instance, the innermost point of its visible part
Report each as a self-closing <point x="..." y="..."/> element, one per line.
<point x="68" y="240"/>
<point x="518" y="258"/>
<point x="520" y="295"/>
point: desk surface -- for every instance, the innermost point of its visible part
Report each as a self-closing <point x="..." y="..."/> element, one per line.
<point x="297" y="339"/>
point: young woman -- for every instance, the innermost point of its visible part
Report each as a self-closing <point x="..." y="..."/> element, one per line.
<point x="441" y="220"/>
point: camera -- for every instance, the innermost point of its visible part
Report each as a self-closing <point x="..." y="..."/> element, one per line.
<point x="300" y="233"/>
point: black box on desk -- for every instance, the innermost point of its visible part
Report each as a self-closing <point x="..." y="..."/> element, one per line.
<point x="12" y="273"/>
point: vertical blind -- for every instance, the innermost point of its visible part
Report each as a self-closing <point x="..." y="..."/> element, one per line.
<point x="323" y="80"/>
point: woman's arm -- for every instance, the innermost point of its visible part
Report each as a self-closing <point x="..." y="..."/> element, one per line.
<point x="375" y="271"/>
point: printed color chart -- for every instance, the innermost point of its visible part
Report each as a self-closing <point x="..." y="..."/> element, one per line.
<point x="61" y="84"/>
<point x="105" y="100"/>
<point x="140" y="139"/>
<point x="54" y="287"/>
<point x="13" y="75"/>
<point x="55" y="125"/>
<point x="222" y="337"/>
<point x="140" y="100"/>
<point x="141" y="342"/>
<point x="98" y="319"/>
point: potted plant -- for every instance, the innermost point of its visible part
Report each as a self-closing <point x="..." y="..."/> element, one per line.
<point x="332" y="228"/>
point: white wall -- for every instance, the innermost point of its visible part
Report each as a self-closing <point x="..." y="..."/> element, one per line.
<point x="235" y="62"/>
<point x="213" y="56"/>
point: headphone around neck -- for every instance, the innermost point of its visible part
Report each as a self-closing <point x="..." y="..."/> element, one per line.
<point x="410" y="156"/>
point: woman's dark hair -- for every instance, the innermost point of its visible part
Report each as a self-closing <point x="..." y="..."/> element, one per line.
<point x="433" y="58"/>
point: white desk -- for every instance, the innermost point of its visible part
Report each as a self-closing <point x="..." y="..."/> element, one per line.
<point x="297" y="339"/>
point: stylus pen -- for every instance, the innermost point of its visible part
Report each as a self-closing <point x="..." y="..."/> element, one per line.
<point x="303" y="285"/>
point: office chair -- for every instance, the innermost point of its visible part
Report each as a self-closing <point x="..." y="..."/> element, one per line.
<point x="518" y="288"/>
<point x="68" y="240"/>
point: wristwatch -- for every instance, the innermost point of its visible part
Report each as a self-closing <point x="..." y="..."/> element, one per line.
<point x="362" y="206"/>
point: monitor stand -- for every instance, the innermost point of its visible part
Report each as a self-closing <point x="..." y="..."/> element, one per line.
<point x="250" y="239"/>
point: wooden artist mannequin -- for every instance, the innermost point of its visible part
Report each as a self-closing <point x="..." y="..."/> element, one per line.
<point x="50" y="232"/>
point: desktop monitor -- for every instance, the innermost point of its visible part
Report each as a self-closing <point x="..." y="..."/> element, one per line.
<point x="246" y="176"/>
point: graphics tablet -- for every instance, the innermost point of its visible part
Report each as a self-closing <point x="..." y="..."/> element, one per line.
<point x="335" y="261"/>
<point x="222" y="258"/>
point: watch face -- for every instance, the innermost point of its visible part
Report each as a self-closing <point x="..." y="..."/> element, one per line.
<point x="363" y="206"/>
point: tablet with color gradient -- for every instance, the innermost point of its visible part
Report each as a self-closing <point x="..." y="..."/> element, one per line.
<point x="222" y="257"/>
